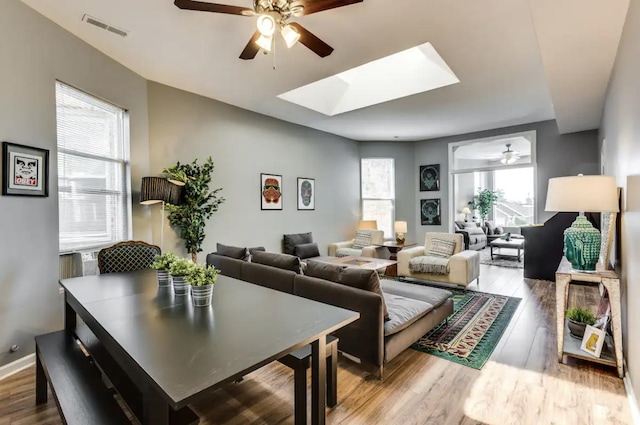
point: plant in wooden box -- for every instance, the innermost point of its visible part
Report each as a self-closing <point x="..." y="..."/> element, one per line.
<point x="579" y="318"/>
<point x="202" y="279"/>
<point x="179" y="269"/>
<point x="197" y="204"/>
<point x="483" y="202"/>
<point x="162" y="264"/>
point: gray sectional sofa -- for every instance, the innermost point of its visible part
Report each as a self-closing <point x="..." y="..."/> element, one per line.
<point x="413" y="310"/>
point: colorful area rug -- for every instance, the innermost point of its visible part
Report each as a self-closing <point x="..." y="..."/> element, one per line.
<point x="478" y="321"/>
<point x="500" y="261"/>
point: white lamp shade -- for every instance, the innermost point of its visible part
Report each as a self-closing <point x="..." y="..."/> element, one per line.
<point x="368" y="225"/>
<point x="264" y="42"/>
<point x="466" y="210"/>
<point x="400" y="227"/>
<point x="290" y="35"/>
<point x="582" y="194"/>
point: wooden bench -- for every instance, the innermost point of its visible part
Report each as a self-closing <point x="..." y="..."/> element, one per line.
<point x="76" y="385"/>
<point x="300" y="361"/>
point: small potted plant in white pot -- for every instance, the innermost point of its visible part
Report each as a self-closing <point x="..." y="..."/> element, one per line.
<point x="202" y="279"/>
<point x="162" y="265"/>
<point x="179" y="269"/>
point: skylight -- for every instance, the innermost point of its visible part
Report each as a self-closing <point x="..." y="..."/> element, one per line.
<point x="415" y="70"/>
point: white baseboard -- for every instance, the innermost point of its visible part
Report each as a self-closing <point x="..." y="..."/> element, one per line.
<point x="17" y="366"/>
<point x="631" y="395"/>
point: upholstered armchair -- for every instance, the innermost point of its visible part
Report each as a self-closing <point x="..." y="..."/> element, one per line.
<point x="363" y="245"/>
<point x="463" y="266"/>
<point x="127" y="256"/>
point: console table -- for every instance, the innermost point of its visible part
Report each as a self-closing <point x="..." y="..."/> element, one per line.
<point x="567" y="345"/>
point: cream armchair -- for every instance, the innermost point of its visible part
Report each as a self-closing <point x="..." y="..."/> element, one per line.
<point x="347" y="248"/>
<point x="464" y="266"/>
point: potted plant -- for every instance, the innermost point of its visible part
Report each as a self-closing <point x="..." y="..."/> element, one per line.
<point x="579" y="318"/>
<point x="483" y="202"/>
<point x="202" y="279"/>
<point x="179" y="269"/>
<point x="162" y="264"/>
<point x="197" y="205"/>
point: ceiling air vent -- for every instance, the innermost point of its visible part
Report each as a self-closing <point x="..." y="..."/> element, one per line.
<point x="100" y="24"/>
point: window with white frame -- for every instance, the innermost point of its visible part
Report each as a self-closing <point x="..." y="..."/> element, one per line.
<point x="93" y="171"/>
<point x="377" y="176"/>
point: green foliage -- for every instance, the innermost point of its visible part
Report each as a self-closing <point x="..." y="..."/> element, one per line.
<point x="198" y="203"/>
<point x="202" y="275"/>
<point x="181" y="267"/>
<point x="483" y="202"/>
<point x="581" y="315"/>
<point x="164" y="261"/>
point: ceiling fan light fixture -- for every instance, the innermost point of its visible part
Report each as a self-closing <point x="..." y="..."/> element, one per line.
<point x="509" y="156"/>
<point x="290" y="35"/>
<point x="264" y="41"/>
<point x="297" y="10"/>
<point x="266" y="25"/>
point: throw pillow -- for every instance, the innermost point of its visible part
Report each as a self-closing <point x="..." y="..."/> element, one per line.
<point x="363" y="239"/>
<point x="307" y="250"/>
<point x="254" y="249"/>
<point x="491" y="227"/>
<point x="474" y="230"/>
<point x="441" y="248"/>
<point x="290" y="241"/>
<point x="499" y="230"/>
<point x="231" y="251"/>
<point x="281" y="261"/>
<point x="323" y="271"/>
<point x="366" y="280"/>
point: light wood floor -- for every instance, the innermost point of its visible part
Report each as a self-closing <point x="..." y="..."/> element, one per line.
<point x="522" y="383"/>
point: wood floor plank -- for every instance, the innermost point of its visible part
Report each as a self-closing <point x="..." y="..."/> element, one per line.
<point x="522" y="383"/>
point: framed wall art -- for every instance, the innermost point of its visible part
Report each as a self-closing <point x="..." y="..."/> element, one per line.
<point x="593" y="341"/>
<point x="430" y="178"/>
<point x="306" y="193"/>
<point x="430" y="212"/>
<point x="270" y="191"/>
<point x="25" y="170"/>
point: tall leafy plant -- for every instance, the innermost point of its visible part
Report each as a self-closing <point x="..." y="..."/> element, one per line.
<point x="483" y="202"/>
<point x="198" y="204"/>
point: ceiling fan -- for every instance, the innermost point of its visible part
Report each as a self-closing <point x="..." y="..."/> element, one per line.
<point x="509" y="156"/>
<point x="274" y="15"/>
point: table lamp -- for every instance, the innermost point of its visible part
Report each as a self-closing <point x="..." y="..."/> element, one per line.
<point x="367" y="225"/>
<point x="400" y="227"/>
<point x="466" y="211"/>
<point x="582" y="194"/>
<point x="155" y="190"/>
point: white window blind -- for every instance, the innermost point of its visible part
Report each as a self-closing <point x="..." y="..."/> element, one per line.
<point x="378" y="192"/>
<point x="93" y="171"/>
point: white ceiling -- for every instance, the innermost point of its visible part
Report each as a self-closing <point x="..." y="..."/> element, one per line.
<point x="518" y="61"/>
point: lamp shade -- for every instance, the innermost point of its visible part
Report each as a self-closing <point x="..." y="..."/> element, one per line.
<point x="157" y="189"/>
<point x="400" y="227"/>
<point x="466" y="210"/>
<point x="582" y="194"/>
<point x="368" y="225"/>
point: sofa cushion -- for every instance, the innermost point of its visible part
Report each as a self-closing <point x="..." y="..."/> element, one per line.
<point x="270" y="277"/>
<point x="290" y="241"/>
<point x="460" y="225"/>
<point x="347" y="252"/>
<point x="231" y="251"/>
<point x="491" y="227"/>
<point x="323" y="270"/>
<point x="281" y="261"/>
<point x="403" y="312"/>
<point x="256" y="248"/>
<point x="434" y="296"/>
<point x="307" y="250"/>
<point x="474" y="230"/>
<point x="367" y="280"/>
<point x="441" y="248"/>
<point x="498" y="230"/>
<point x="363" y="238"/>
<point x="228" y="266"/>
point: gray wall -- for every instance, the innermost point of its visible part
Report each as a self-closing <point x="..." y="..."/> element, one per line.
<point x="402" y="153"/>
<point x="34" y="52"/>
<point x="621" y="157"/>
<point x="243" y="144"/>
<point x="557" y="155"/>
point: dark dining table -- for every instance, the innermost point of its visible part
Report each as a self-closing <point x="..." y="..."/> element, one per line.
<point x="176" y="354"/>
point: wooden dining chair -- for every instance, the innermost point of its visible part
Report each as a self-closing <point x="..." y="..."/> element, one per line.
<point x="127" y="256"/>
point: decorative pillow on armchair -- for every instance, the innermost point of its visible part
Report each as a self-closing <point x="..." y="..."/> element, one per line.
<point x="363" y="239"/>
<point x="441" y="248"/>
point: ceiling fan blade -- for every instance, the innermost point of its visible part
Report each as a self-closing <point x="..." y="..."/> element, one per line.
<point x="315" y="6"/>
<point x="251" y="49"/>
<point x="212" y="7"/>
<point x="312" y="42"/>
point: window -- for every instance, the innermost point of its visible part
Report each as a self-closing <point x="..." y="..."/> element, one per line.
<point x="515" y="206"/>
<point x="93" y="170"/>
<point x="378" y="192"/>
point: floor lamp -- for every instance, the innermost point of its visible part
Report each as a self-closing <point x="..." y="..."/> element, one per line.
<point x="155" y="190"/>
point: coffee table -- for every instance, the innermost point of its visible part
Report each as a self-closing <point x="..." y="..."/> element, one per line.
<point x="517" y="244"/>
<point x="369" y="263"/>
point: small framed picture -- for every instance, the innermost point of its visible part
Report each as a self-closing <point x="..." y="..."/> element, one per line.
<point x="430" y="178"/>
<point x="25" y="170"/>
<point x="593" y="341"/>
<point x="306" y="193"/>
<point x="270" y="191"/>
<point x="430" y="213"/>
